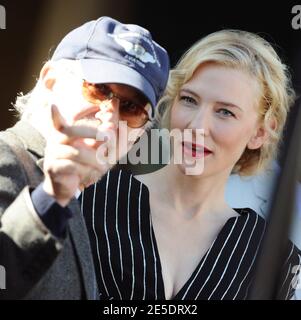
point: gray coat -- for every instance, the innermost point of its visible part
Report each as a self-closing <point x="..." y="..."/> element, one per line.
<point x="37" y="264"/>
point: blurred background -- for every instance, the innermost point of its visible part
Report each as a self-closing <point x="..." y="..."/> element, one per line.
<point x="34" y="27"/>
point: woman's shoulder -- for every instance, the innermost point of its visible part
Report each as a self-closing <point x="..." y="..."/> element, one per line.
<point x="250" y="215"/>
<point x="249" y="223"/>
<point x="247" y="213"/>
<point x="292" y="255"/>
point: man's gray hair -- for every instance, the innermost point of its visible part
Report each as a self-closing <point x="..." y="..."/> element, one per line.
<point x="27" y="104"/>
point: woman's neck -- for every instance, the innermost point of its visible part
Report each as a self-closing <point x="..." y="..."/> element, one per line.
<point x="188" y="195"/>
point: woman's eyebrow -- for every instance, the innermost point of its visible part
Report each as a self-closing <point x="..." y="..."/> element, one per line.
<point x="189" y="91"/>
<point x="224" y="103"/>
<point x="229" y="104"/>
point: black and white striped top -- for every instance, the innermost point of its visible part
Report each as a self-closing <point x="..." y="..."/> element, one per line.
<point x="127" y="261"/>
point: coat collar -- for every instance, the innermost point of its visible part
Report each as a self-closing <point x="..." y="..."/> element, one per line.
<point x="33" y="140"/>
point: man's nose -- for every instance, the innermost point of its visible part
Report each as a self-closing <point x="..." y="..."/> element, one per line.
<point x="109" y="111"/>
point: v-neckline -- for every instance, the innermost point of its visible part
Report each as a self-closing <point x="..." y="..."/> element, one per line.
<point x="192" y="275"/>
<point x="157" y="253"/>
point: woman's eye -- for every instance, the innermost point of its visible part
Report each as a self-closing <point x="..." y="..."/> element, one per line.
<point x="226" y="113"/>
<point x="188" y="99"/>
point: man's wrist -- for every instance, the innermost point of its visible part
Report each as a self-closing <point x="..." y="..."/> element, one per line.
<point x="47" y="187"/>
<point x="53" y="215"/>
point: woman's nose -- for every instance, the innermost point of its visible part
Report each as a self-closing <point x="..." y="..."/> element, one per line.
<point x="201" y="120"/>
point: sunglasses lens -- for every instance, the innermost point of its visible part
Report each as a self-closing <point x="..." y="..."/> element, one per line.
<point x="134" y="114"/>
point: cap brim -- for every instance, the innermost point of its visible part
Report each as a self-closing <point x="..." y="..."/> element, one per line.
<point x="104" y="71"/>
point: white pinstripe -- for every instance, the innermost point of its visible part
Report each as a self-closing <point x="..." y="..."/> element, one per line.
<point x="247" y="290"/>
<point x="96" y="238"/>
<point x="106" y="234"/>
<point x="140" y="237"/>
<point x="131" y="243"/>
<point x="155" y="258"/>
<point x="240" y="262"/>
<point x="283" y="283"/>
<point x="289" y="270"/>
<point x="289" y="286"/>
<point x="205" y="258"/>
<point x="228" y="262"/>
<point x="296" y="277"/>
<point x="217" y="258"/>
<point x="289" y="255"/>
<point x="254" y="258"/>
<point x="119" y="242"/>
<point x="293" y="278"/>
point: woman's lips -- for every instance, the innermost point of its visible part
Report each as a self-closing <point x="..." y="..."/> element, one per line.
<point x="194" y="150"/>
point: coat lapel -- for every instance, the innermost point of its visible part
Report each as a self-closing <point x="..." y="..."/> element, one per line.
<point x="79" y="235"/>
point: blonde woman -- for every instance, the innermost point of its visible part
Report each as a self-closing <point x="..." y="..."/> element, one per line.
<point x="169" y="235"/>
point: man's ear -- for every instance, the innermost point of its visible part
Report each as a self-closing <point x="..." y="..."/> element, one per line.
<point x="261" y="135"/>
<point x="47" y="75"/>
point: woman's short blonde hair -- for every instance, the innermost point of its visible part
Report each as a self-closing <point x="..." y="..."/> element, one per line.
<point x="251" y="53"/>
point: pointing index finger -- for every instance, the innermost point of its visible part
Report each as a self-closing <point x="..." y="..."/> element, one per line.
<point x="71" y="132"/>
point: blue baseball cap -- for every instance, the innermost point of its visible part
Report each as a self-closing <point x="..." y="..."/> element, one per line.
<point x="112" y="52"/>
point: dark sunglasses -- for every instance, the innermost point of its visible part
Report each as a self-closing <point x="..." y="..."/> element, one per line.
<point x="134" y="113"/>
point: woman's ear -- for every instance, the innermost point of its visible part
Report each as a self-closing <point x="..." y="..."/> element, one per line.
<point x="47" y="76"/>
<point x="261" y="135"/>
<point x="258" y="139"/>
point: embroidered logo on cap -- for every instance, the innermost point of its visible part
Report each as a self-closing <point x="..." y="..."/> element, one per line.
<point x="135" y="49"/>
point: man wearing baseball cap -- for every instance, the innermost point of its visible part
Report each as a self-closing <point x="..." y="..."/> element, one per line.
<point x="100" y="74"/>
